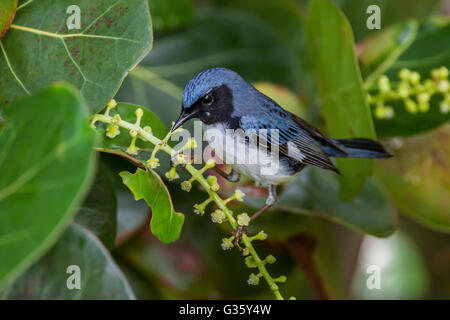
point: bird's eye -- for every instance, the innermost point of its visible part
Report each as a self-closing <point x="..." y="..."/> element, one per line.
<point x="207" y="100"/>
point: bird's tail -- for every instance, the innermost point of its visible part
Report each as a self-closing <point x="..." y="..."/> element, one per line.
<point x="362" y="148"/>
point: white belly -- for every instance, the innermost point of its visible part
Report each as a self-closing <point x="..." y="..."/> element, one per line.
<point x="246" y="158"/>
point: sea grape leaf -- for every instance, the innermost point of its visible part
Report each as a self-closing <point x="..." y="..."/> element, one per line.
<point x="48" y="279"/>
<point x="46" y="160"/>
<point x="40" y="49"/>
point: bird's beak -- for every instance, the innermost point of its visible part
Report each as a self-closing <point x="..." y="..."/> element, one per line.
<point x="183" y="118"/>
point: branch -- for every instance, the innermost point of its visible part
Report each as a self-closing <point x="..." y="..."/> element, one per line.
<point x="136" y="131"/>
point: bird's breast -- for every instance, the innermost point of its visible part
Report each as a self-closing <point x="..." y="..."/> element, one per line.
<point x="243" y="153"/>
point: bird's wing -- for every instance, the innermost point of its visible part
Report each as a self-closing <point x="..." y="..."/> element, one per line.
<point x="299" y="142"/>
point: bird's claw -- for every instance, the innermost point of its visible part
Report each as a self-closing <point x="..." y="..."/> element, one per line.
<point x="238" y="232"/>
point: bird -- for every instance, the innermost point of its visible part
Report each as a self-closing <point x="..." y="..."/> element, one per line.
<point x="226" y="103"/>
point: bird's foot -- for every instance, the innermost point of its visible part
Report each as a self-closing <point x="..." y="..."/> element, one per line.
<point x="238" y="232"/>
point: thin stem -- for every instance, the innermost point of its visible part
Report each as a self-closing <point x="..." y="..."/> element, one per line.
<point x="198" y="176"/>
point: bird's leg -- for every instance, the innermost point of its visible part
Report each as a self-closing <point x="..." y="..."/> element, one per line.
<point x="270" y="200"/>
<point x="233" y="176"/>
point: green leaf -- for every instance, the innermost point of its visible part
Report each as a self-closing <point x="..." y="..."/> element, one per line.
<point x="430" y="50"/>
<point x="98" y="213"/>
<point x="7" y="13"/>
<point x="315" y="192"/>
<point x="166" y="223"/>
<point x="100" y="278"/>
<point x="342" y="97"/>
<point x="39" y="49"/>
<point x="171" y="14"/>
<point x="46" y="162"/>
<point x="127" y="112"/>
<point x="399" y="265"/>
<point x="417" y="178"/>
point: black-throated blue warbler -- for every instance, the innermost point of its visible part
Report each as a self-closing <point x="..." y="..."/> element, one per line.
<point x="223" y="100"/>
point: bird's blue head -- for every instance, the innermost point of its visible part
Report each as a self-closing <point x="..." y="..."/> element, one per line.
<point x="209" y="96"/>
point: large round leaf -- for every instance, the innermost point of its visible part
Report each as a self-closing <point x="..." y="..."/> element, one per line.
<point x="100" y="278"/>
<point x="40" y="49"/>
<point x="46" y="161"/>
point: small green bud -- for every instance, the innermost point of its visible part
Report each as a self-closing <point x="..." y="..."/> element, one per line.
<point x="270" y="259"/>
<point x="443" y="72"/>
<point x="139" y="113"/>
<point x="245" y="252"/>
<point x="411" y="106"/>
<point x="210" y="163"/>
<point x="404" y="90"/>
<point x="239" y="195"/>
<point x="211" y="180"/>
<point x="243" y="219"/>
<point x="260" y="236"/>
<point x="281" y="279"/>
<point x="112" y="131"/>
<point x="179" y="159"/>
<point x="414" y="77"/>
<point x="132" y="149"/>
<point x="148" y="129"/>
<point x="443" y="86"/>
<point x="227" y="243"/>
<point x="111" y="104"/>
<point x="250" y="262"/>
<point x="253" y="280"/>
<point x="404" y="74"/>
<point x="116" y="119"/>
<point x="172" y="174"/>
<point x="383" y="112"/>
<point x="133" y="133"/>
<point x="292" y="298"/>
<point x="186" y="186"/>
<point x="153" y="163"/>
<point x="384" y="84"/>
<point x="218" y="216"/>
<point x="423" y="97"/>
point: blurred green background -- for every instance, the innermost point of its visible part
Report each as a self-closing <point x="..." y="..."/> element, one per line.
<point x="325" y="231"/>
